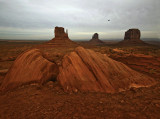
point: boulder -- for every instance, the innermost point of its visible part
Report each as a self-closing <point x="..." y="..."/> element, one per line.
<point x="30" y="67"/>
<point x="85" y="70"/>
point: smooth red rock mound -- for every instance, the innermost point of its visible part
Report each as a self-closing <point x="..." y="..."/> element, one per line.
<point x="30" y="66"/>
<point x="85" y="70"/>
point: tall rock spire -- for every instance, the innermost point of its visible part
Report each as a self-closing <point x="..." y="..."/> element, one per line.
<point x="67" y="31"/>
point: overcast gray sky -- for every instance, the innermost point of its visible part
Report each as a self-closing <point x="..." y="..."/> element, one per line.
<point x="36" y="19"/>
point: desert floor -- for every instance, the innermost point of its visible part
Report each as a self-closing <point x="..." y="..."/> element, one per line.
<point x="50" y="101"/>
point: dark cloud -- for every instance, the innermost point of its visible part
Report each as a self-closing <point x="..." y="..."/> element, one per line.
<point x="81" y="17"/>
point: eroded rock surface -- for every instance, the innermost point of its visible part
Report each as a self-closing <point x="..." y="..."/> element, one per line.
<point x="30" y="66"/>
<point x="85" y="70"/>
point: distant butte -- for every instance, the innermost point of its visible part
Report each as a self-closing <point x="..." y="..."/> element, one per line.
<point x="95" y="39"/>
<point x="61" y="38"/>
<point x="132" y="36"/>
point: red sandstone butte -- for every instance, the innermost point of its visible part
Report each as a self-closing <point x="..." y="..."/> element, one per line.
<point x="95" y="39"/>
<point x="61" y="38"/>
<point x="132" y="36"/>
<point x="85" y="70"/>
<point x="29" y="67"/>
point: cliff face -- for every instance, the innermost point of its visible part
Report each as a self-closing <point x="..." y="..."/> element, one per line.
<point x="60" y="34"/>
<point x="132" y="34"/>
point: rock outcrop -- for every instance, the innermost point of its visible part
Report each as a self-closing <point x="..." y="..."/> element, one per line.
<point x="85" y="70"/>
<point x="132" y="36"/>
<point x="61" y="38"/>
<point x="95" y="39"/>
<point x="29" y="67"/>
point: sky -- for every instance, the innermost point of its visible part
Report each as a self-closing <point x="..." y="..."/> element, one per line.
<point x="36" y="19"/>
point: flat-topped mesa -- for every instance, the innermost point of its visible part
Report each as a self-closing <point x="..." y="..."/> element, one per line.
<point x="95" y="39"/>
<point x="132" y="36"/>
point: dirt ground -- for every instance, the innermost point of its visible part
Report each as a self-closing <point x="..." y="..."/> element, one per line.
<point x="50" y="101"/>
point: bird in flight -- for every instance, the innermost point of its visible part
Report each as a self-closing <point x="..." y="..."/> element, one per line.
<point x="108" y="19"/>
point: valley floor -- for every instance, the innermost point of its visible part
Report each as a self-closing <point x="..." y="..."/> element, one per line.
<point x="49" y="101"/>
